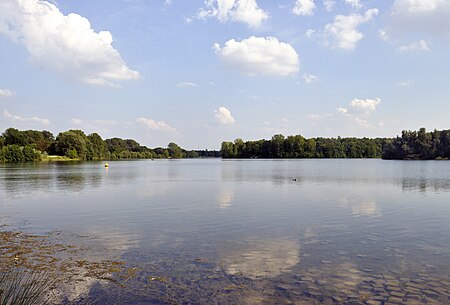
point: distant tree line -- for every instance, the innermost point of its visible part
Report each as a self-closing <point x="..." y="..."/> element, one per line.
<point x="299" y="147"/>
<point x="411" y="145"/>
<point x="32" y="145"/>
<point x="208" y="153"/>
<point x="419" y="145"/>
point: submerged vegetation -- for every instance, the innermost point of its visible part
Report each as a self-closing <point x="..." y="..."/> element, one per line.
<point x="38" y="270"/>
<point x="22" y="287"/>
<point x="33" y="145"/>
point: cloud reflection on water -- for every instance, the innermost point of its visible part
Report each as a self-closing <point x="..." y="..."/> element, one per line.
<point x="360" y="206"/>
<point x="262" y="258"/>
<point x="225" y="197"/>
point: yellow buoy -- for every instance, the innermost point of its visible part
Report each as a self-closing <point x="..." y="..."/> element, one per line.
<point x="106" y="165"/>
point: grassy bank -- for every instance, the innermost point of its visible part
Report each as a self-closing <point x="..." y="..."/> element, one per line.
<point x="54" y="158"/>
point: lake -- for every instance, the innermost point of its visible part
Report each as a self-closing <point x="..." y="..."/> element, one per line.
<point x="245" y="231"/>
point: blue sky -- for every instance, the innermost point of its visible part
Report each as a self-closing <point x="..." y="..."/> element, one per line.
<point x="200" y="72"/>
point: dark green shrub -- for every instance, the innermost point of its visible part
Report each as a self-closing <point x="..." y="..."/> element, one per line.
<point x="30" y="154"/>
<point x="13" y="153"/>
<point x="72" y="154"/>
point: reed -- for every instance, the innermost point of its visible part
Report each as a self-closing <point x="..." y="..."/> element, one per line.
<point x="24" y="287"/>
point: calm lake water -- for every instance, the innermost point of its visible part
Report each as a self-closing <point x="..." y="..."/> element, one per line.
<point x="248" y="231"/>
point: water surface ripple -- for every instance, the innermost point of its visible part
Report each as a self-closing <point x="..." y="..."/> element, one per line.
<point x="249" y="231"/>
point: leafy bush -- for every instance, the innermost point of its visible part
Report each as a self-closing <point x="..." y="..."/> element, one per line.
<point x="72" y="154"/>
<point x="13" y="153"/>
<point x="30" y="154"/>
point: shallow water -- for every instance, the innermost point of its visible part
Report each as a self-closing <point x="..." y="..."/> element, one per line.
<point x="249" y="231"/>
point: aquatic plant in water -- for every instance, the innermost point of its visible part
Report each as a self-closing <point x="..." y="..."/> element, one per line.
<point x="22" y="287"/>
<point x="40" y="270"/>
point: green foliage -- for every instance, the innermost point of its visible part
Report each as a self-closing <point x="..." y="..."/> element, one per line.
<point x="419" y="145"/>
<point x="192" y="154"/>
<point x="227" y="150"/>
<point x="116" y="145"/>
<point x="13" y="136"/>
<point x="299" y="147"/>
<point x="28" y="145"/>
<point x="41" y="140"/>
<point x="277" y="146"/>
<point x="132" y="145"/>
<point x="99" y="147"/>
<point x="69" y="141"/>
<point x="30" y="154"/>
<point x="13" y="153"/>
<point x="175" y="151"/>
<point x="72" y="154"/>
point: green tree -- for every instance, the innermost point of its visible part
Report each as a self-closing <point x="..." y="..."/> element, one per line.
<point x="294" y="146"/>
<point x="277" y="146"/>
<point x="99" y="147"/>
<point x="71" y="140"/>
<point x="30" y="154"/>
<point x="116" y="145"/>
<point x="192" y="154"/>
<point x="72" y="154"/>
<point x="227" y="149"/>
<point x="13" y="153"/>
<point x="14" y="136"/>
<point x="175" y="151"/>
<point x="132" y="145"/>
<point x="310" y="148"/>
<point x="239" y="148"/>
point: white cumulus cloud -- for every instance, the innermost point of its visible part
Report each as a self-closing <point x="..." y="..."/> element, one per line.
<point x="410" y="20"/>
<point x="6" y="93"/>
<point x="63" y="43"/>
<point x="259" y="56"/>
<point x="360" y="106"/>
<point x="223" y="116"/>
<point x="310" y="78"/>
<point x="246" y="11"/>
<point x="342" y="110"/>
<point x="349" y="119"/>
<point x="343" y="33"/>
<point x="16" y="118"/>
<point x="420" y="6"/>
<point x="155" y="125"/>
<point x="420" y="45"/>
<point x="304" y="7"/>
